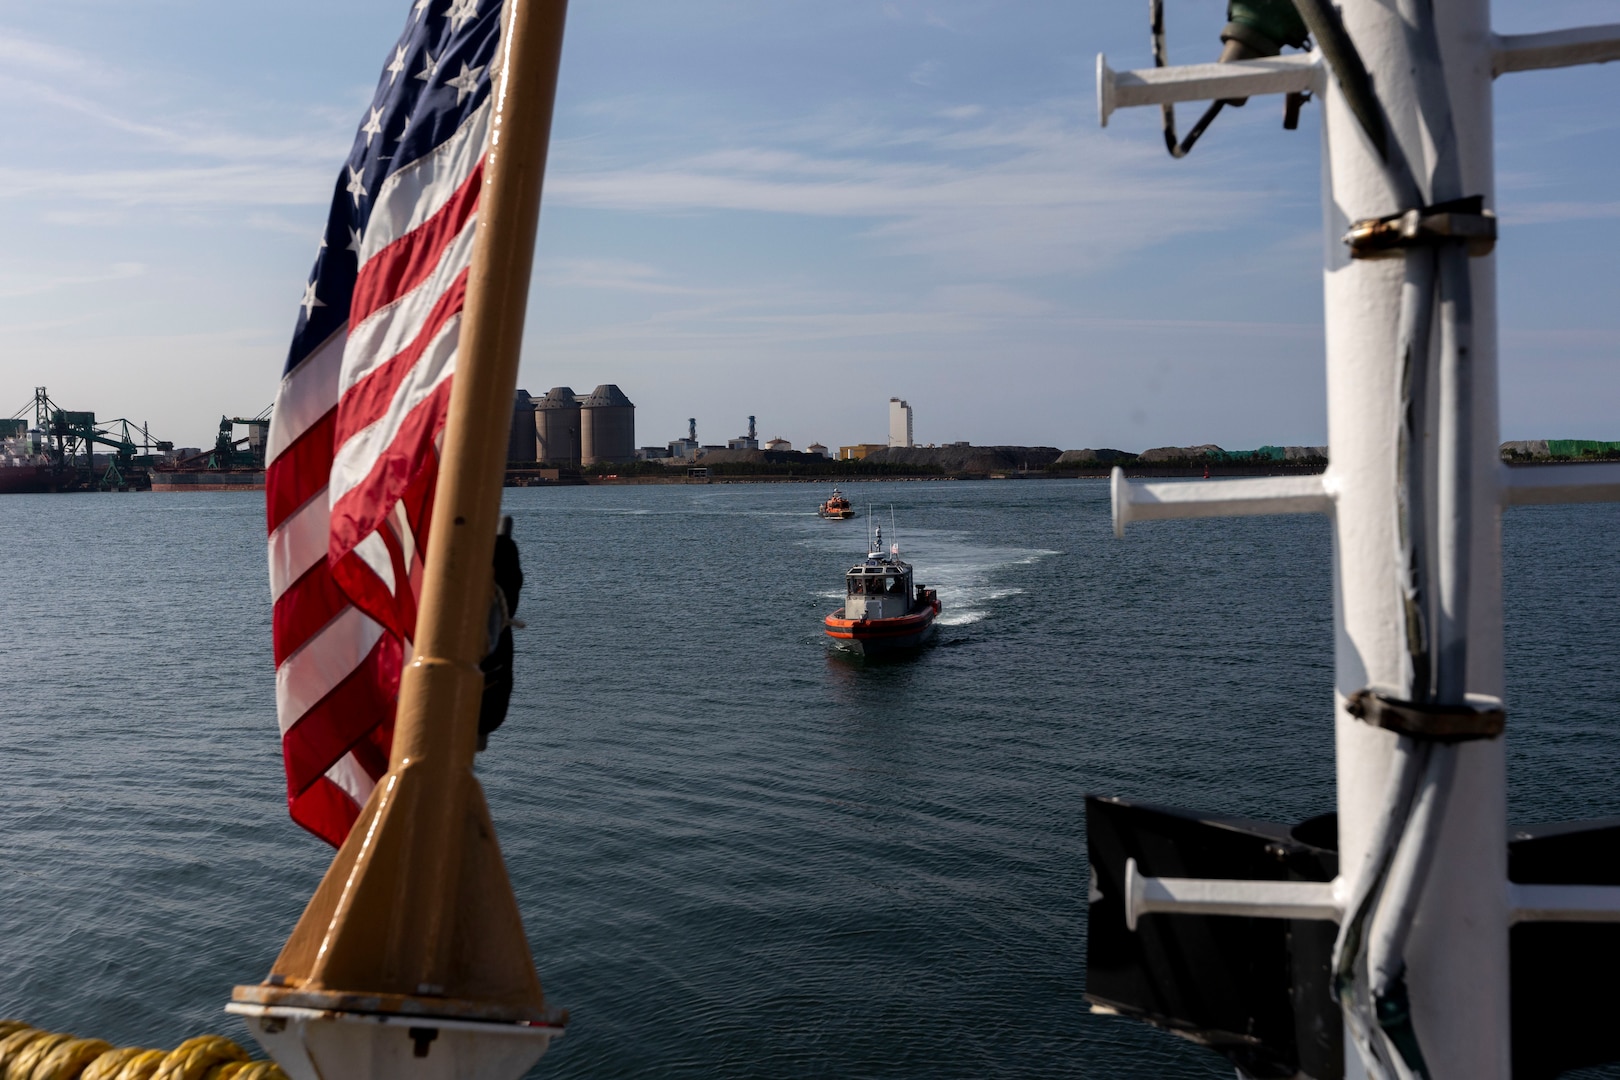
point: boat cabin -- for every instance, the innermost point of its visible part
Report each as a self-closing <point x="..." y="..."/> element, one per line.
<point x="879" y="588"/>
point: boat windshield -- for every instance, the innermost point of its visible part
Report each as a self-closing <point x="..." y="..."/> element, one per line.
<point x="877" y="585"/>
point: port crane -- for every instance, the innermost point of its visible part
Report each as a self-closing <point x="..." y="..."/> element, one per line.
<point x="64" y="435"/>
<point x="230" y="452"/>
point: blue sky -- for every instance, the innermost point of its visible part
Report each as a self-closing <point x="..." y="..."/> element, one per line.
<point x="776" y="207"/>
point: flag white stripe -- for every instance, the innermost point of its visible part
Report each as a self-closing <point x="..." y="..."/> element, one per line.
<point x="323" y="662"/>
<point x="355" y="458"/>
<point x="299" y="543"/>
<point x="374" y="553"/>
<point x="394" y="326"/>
<point x="400" y="522"/>
<point x="416" y="192"/>
<point x="356" y="783"/>
<point x="306" y="394"/>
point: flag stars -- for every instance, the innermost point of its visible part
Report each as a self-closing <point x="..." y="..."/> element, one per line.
<point x="373" y="126"/>
<point x="421" y="6"/>
<point x="461" y="13"/>
<point x="356" y="188"/>
<point x="430" y="68"/>
<point x="309" y="303"/>
<point x="466" y="82"/>
<point x="396" y="65"/>
<point x="354" y="241"/>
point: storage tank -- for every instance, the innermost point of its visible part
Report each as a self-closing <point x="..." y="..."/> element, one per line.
<point x="523" y="443"/>
<point x="557" y="424"/>
<point x="609" y="426"/>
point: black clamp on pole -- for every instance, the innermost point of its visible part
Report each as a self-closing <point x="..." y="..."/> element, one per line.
<point x="1459" y="221"/>
<point x="1423" y="720"/>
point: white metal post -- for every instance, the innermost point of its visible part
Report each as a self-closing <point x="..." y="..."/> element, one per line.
<point x="1457" y="954"/>
<point x="1455" y="957"/>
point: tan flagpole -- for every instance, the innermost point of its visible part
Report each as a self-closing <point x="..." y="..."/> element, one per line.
<point x="416" y="916"/>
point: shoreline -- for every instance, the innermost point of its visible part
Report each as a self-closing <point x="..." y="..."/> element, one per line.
<point x="1131" y="472"/>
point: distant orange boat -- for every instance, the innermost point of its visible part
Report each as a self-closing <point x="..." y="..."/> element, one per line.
<point x="836" y="506"/>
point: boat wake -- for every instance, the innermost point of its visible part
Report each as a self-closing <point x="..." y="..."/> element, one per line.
<point x="971" y="579"/>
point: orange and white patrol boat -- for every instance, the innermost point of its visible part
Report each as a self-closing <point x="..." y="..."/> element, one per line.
<point x="836" y="506"/>
<point x="883" y="609"/>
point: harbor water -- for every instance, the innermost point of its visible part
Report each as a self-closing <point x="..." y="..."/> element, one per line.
<point x="738" y="854"/>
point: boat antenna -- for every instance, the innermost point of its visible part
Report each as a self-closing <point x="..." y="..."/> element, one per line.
<point x="894" y="532"/>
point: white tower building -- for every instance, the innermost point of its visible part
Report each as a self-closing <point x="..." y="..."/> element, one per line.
<point x="899" y="423"/>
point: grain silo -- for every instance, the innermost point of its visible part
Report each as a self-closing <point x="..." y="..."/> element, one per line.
<point x="556" y="421"/>
<point x="522" y="444"/>
<point x="609" y="426"/>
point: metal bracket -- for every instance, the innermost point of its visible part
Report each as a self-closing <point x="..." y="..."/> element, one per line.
<point x="1559" y="48"/>
<point x="1321" y="901"/>
<point x="1564" y="903"/>
<point x="1246" y="497"/>
<point x="1420" y="720"/>
<point x="1295" y="73"/>
<point x="1209" y="896"/>
<point x="1460" y="221"/>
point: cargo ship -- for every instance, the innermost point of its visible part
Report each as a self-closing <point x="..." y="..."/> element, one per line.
<point x="181" y="479"/>
<point x="32" y="478"/>
<point x="25" y="471"/>
<point x="232" y="465"/>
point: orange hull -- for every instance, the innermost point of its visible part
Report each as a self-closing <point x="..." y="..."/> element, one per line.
<point x="872" y="635"/>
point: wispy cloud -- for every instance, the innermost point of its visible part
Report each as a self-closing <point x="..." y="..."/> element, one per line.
<point x="31" y="283"/>
<point x="613" y="275"/>
<point x="22" y="53"/>
<point x="200" y="186"/>
<point x="188" y="159"/>
<point x="1011" y="194"/>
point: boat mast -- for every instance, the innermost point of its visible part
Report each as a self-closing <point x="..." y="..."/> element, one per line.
<point x="1415" y="488"/>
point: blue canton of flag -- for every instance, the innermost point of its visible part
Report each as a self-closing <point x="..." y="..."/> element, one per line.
<point x="352" y="454"/>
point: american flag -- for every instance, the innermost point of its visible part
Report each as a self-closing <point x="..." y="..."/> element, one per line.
<point x="353" y="449"/>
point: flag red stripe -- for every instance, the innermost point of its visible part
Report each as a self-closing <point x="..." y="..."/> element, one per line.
<point x="299" y="613"/>
<point x="418" y="501"/>
<point x="342" y="718"/>
<point x="371" y="594"/>
<point x="362" y="508"/>
<point x="368" y="400"/>
<point x="371" y="752"/>
<point x="300" y="472"/>
<point x="408" y="261"/>
<point x="325" y="810"/>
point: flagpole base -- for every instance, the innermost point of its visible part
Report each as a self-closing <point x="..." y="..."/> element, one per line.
<point x="328" y="1044"/>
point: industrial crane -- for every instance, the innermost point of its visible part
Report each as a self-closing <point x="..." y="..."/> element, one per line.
<point x="64" y="435"/>
<point x="230" y="452"/>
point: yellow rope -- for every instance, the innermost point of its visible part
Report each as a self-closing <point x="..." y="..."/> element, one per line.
<point x="193" y="1058"/>
<point x="14" y="1044"/>
<point x="139" y="1065"/>
<point x="110" y="1066"/>
<point x="21" y="1065"/>
<point x="256" y="1070"/>
<point x="26" y="1053"/>
<point x="68" y="1060"/>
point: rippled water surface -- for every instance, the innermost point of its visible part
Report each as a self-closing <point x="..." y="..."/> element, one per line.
<point x="738" y="855"/>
